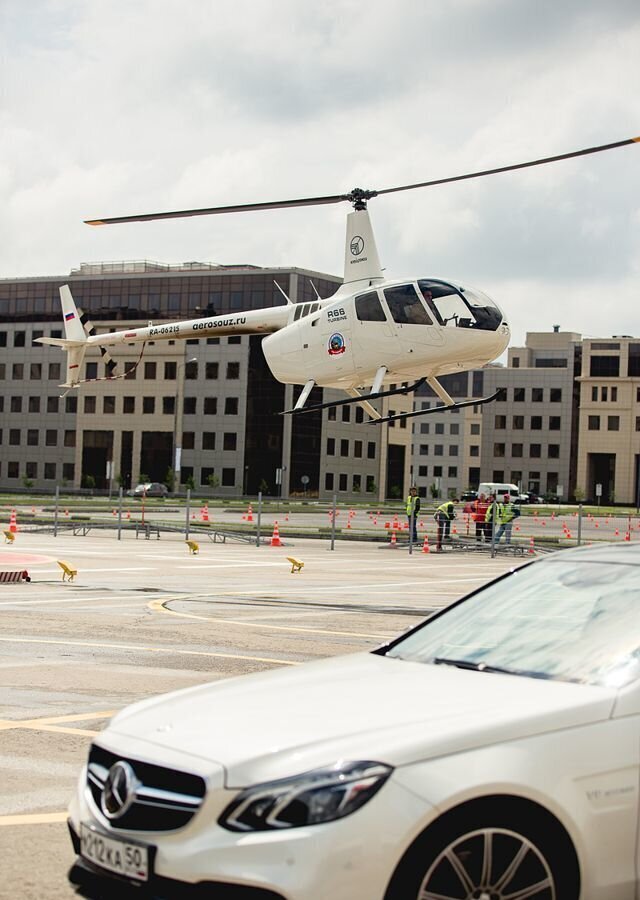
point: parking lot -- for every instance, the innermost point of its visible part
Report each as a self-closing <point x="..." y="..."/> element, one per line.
<point x="145" y="617"/>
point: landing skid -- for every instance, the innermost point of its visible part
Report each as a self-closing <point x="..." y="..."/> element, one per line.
<point x="350" y="400"/>
<point x="478" y="401"/>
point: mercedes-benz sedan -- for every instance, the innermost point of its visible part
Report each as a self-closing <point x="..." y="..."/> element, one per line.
<point x="490" y="753"/>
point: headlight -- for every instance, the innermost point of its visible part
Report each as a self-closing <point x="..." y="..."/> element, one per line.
<point x="308" y="799"/>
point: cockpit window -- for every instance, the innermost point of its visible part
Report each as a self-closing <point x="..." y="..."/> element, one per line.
<point x="405" y="306"/>
<point x="460" y="307"/>
<point x="369" y="308"/>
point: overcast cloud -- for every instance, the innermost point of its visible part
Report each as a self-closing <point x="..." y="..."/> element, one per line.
<point x="110" y="108"/>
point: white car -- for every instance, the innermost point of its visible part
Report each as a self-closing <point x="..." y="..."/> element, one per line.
<point x="491" y="753"/>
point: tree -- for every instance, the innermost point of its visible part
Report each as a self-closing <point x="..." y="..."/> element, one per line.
<point x="579" y="495"/>
<point x="190" y="482"/>
<point x="434" y="490"/>
<point x="170" y="479"/>
<point x="88" y="481"/>
<point x="213" y="481"/>
<point x="263" y="487"/>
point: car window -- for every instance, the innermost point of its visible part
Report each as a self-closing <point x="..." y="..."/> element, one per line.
<point x="559" y="619"/>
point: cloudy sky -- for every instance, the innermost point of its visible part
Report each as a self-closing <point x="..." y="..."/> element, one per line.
<point x="112" y="108"/>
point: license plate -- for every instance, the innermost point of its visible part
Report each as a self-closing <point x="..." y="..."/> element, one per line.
<point x="125" y="858"/>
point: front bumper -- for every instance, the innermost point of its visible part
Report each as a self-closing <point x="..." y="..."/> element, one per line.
<point x="351" y="857"/>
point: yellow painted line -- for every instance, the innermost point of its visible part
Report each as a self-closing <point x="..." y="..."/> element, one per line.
<point x="34" y="819"/>
<point x="53" y="720"/>
<point x="59" y="729"/>
<point x="140" y="647"/>
<point x="158" y="606"/>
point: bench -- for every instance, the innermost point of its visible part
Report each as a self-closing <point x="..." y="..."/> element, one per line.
<point x="147" y="530"/>
<point x="14" y="577"/>
<point x="67" y="570"/>
<point x="296" y="565"/>
<point x="9" y="537"/>
<point x="194" y="548"/>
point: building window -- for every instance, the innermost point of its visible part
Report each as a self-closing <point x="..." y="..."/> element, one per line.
<point x="424" y="428"/>
<point x="518" y="423"/>
<point x="17" y="371"/>
<point x="346" y="413"/>
<point x="614" y="394"/>
<point x="150" y="370"/>
<point x="535" y="451"/>
<point x="613" y="423"/>
<point x="211" y="370"/>
<point x="500" y="423"/>
<point x="604" y="367"/>
<point x="34" y="404"/>
<point x="52" y="404"/>
<point x="344" y="447"/>
<point x="31" y="470"/>
<point x="594" y="394"/>
<point x="170" y="371"/>
<point x="424" y="450"/>
<point x="474" y="429"/>
<point x="51" y="438"/>
<point x="359" y="415"/>
<point x="515" y="362"/>
<point x="518" y="395"/>
<point x="554" y="423"/>
<point x="453" y="450"/>
<point x="474" y="450"/>
<point x="50" y="471"/>
<point x="68" y="472"/>
<point x="188" y="440"/>
<point x="130" y="370"/>
<point x="230" y="441"/>
<point x="168" y="406"/>
<point x="342" y="483"/>
<point x="499" y="450"/>
<point x="498" y="475"/>
<point x="328" y="481"/>
<point x="16" y="404"/>
<point x="191" y="370"/>
<point x="71" y="405"/>
<point x="91" y="371"/>
<point x="593" y="423"/>
<point x="331" y="446"/>
<point x="89" y="405"/>
<point x="228" y="477"/>
<point x="452" y="472"/>
<point x="35" y="371"/>
<point x="356" y="484"/>
<point x="439" y="428"/>
<point x="357" y="449"/>
<point x="371" y="450"/>
<point x="13" y="470"/>
<point x="128" y="405"/>
<point x="555" y="395"/>
<point x="438" y="450"/>
<point x="536" y="423"/>
<point x="210" y="406"/>
<point x="554" y="451"/>
<point x="32" y="437"/>
<point x="19" y="338"/>
<point x="231" y="406"/>
<point x="69" y="439"/>
<point x="235" y="338"/>
<point x="516" y="450"/>
<point x="233" y="370"/>
<point x="108" y="405"/>
<point x="423" y="471"/>
<point x="14" y="437"/>
<point x="331" y="414"/>
<point x="537" y="395"/>
<point x="208" y="440"/>
<point x="148" y="405"/>
<point x="205" y="474"/>
<point x="437" y="471"/>
<point x="454" y="429"/>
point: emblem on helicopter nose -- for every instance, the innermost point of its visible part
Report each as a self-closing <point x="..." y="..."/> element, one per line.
<point x="336" y="344"/>
<point x="357" y="245"/>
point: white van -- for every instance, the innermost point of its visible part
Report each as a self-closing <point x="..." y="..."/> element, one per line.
<point x="493" y="487"/>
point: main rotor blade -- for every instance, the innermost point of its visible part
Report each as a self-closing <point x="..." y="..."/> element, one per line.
<point x="357" y="197"/>
<point x="524" y="165"/>
<point x="215" y="210"/>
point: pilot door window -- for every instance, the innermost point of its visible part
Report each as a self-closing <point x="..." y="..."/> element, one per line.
<point x="369" y="308"/>
<point x="405" y="306"/>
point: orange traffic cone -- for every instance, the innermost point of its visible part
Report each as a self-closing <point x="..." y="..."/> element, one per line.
<point x="250" y="514"/>
<point x="425" y="546"/>
<point x="532" y="548"/>
<point x="275" y="537"/>
<point x="394" y="542"/>
<point x="627" y="535"/>
<point x="13" y="525"/>
<point x="204" y="513"/>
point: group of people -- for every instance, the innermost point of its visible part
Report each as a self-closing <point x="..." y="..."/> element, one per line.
<point x="489" y="514"/>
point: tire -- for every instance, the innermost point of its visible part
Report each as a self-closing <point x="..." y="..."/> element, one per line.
<point x="486" y="852"/>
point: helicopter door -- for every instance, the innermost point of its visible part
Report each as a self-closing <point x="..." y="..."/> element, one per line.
<point x="414" y="325"/>
<point x="373" y="333"/>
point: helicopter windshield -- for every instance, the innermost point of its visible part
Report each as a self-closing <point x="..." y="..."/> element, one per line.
<point x="405" y="305"/>
<point x="460" y="308"/>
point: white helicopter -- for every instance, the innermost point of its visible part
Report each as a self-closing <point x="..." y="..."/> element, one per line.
<point x="371" y="332"/>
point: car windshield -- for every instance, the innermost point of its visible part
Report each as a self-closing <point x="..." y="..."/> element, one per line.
<point x="566" y="620"/>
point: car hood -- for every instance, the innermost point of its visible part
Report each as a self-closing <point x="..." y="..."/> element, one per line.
<point x="363" y="706"/>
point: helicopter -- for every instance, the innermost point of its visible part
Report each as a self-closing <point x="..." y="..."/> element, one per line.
<point x="371" y="333"/>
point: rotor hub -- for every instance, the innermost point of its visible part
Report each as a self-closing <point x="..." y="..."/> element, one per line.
<point x="359" y="196"/>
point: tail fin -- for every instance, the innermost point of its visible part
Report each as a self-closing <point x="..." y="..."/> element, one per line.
<point x="75" y="340"/>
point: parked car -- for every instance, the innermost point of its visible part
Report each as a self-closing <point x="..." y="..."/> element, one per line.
<point x="490" y="752"/>
<point x="468" y="496"/>
<point x="150" y="489"/>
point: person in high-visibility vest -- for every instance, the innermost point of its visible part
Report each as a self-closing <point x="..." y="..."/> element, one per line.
<point x="444" y="515"/>
<point x="413" y="508"/>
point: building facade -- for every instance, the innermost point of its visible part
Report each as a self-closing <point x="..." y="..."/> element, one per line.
<point x="205" y="412"/>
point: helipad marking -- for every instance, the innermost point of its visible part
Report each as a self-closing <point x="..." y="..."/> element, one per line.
<point x="159" y="606"/>
<point x="140" y="647"/>
<point x="49" y="722"/>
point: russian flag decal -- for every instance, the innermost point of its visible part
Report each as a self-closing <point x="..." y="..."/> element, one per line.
<point x="69" y="316"/>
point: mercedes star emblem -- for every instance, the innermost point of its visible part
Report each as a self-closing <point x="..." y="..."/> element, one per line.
<point x="119" y="790"/>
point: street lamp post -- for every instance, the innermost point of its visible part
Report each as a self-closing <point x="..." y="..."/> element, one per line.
<point x="177" y="450"/>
